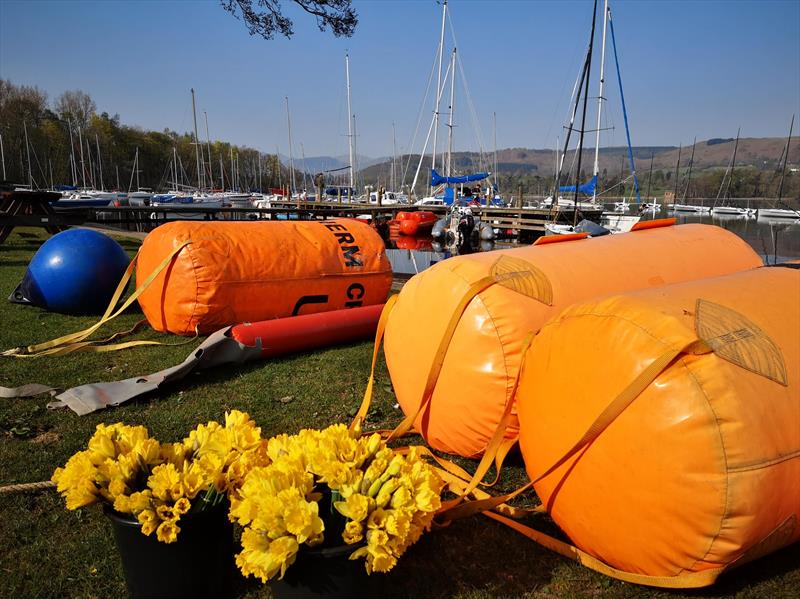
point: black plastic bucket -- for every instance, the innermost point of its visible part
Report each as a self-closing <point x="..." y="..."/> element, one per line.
<point x="326" y="573"/>
<point x="198" y="564"/>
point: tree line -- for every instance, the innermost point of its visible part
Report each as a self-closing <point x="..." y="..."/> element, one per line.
<point x="67" y="142"/>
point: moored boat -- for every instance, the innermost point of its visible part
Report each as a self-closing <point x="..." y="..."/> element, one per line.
<point x="413" y="223"/>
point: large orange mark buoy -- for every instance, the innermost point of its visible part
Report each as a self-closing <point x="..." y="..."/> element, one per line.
<point x="532" y="284"/>
<point x="697" y="467"/>
<point x="233" y="272"/>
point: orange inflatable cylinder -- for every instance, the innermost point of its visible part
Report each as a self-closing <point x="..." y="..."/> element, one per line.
<point x="234" y="272"/>
<point x="702" y="468"/>
<point x="282" y="336"/>
<point x="482" y="360"/>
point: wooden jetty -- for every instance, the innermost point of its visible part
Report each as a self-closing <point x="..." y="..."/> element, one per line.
<point x="525" y="223"/>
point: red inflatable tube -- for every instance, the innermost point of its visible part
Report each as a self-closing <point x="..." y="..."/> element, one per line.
<point x="283" y="336"/>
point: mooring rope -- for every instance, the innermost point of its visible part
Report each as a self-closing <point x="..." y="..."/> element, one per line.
<point x="23" y="487"/>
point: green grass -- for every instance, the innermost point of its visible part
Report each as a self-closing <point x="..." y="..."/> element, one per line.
<point x="46" y="551"/>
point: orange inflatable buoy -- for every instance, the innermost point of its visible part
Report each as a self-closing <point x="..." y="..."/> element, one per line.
<point x="664" y="425"/>
<point x="494" y="299"/>
<point x="232" y="272"/>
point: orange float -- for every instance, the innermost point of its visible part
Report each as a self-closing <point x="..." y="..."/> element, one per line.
<point x="692" y="394"/>
<point x="282" y="336"/>
<point x="527" y="287"/>
<point x="232" y="272"/>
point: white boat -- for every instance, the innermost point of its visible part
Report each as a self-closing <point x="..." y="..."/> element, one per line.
<point x="650" y="207"/>
<point x="622" y="206"/>
<point x="430" y="201"/>
<point x="389" y="198"/>
<point x="557" y="229"/>
<point x="733" y="210"/>
<point x="778" y="213"/>
<point x="688" y="208"/>
<point x="568" y="203"/>
<point x="618" y="223"/>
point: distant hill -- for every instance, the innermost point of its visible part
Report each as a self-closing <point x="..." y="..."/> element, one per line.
<point x="760" y="153"/>
<point x="318" y="164"/>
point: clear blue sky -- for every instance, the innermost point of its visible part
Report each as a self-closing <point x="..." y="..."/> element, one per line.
<point x="689" y="68"/>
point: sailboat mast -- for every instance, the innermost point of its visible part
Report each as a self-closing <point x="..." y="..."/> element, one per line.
<point x="494" y="135"/>
<point x="174" y="166"/>
<point x="624" y="110"/>
<point x="650" y="176"/>
<point x="691" y="164"/>
<point x="355" y="153"/>
<point x="677" y="174"/>
<point x="99" y="161"/>
<point x="350" y="119"/>
<point x="197" y="145"/>
<point x="71" y="155"/>
<point x="583" y="117"/>
<point x="733" y="163"/>
<point x="785" y="157"/>
<point x="208" y="147"/>
<point x="303" y="154"/>
<point x="394" y="157"/>
<point x="596" y="169"/>
<point x="291" y="156"/>
<point x="438" y="88"/>
<point x="3" y="156"/>
<point x="83" y="168"/>
<point x="28" y="151"/>
<point x="450" y="116"/>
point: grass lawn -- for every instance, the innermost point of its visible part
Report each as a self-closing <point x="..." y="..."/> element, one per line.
<point x="46" y="551"/>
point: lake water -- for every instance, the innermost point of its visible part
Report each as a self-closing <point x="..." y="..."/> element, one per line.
<point x="775" y="240"/>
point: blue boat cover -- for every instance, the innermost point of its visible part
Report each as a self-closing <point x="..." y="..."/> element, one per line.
<point x="437" y="179"/>
<point x="586" y="189"/>
<point x="66" y="188"/>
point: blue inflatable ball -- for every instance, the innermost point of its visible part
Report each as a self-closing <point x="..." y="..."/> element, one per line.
<point x="73" y="272"/>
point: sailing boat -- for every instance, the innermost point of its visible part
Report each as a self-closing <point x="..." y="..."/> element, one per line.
<point x="784" y="213"/>
<point x="683" y="207"/>
<point x="726" y="208"/>
<point x="444" y="184"/>
<point x="615" y="223"/>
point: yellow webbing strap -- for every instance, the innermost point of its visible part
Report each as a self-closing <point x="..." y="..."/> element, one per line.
<point x="75" y="341"/>
<point x="441" y="352"/>
<point x="498" y="446"/>
<point x="625" y="398"/>
<point x="688" y="580"/>
<point x="358" y="419"/>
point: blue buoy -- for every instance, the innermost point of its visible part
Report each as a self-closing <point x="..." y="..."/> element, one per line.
<point x="73" y="272"/>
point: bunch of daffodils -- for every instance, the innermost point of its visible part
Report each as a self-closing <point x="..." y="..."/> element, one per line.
<point x="333" y="480"/>
<point x="158" y="483"/>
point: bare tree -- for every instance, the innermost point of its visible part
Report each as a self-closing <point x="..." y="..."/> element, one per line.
<point x="266" y="18"/>
<point x="77" y="106"/>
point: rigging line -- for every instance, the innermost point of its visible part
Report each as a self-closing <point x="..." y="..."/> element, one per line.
<point x="624" y="111"/>
<point x="419" y="120"/>
<point x="561" y="93"/>
<point x="433" y="120"/>
<point x="471" y="106"/>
